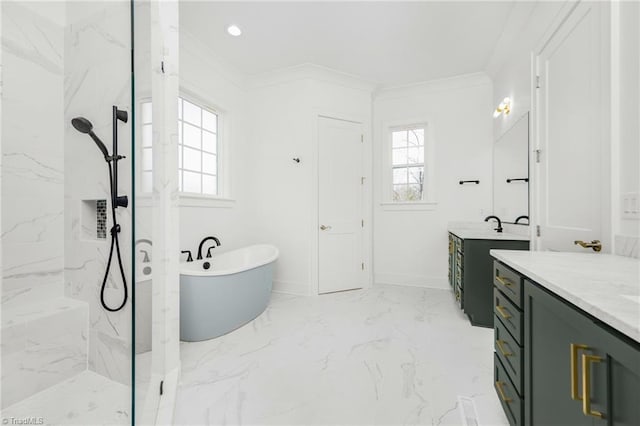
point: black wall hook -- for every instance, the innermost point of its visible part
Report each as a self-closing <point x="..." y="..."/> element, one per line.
<point x="517" y="180"/>
<point x="297" y="160"/>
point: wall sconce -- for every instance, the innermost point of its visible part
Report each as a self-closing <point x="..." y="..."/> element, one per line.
<point x="503" y="108"/>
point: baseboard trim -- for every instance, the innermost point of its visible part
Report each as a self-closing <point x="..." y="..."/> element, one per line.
<point x="289" y="287"/>
<point x="412" y="281"/>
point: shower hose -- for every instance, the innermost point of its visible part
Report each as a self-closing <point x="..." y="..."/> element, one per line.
<point x="115" y="243"/>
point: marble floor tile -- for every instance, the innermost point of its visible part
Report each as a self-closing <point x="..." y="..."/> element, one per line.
<point x="86" y="399"/>
<point x="387" y="355"/>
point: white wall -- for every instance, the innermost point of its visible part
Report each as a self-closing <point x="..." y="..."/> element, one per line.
<point x="283" y="107"/>
<point x="410" y="245"/>
<point x="629" y="125"/>
<point x="510" y="69"/>
<point x="223" y="88"/>
<point x="510" y="65"/>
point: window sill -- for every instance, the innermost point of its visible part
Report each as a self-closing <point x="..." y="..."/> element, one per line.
<point x="190" y="200"/>
<point x="408" y="205"/>
<point x="198" y="200"/>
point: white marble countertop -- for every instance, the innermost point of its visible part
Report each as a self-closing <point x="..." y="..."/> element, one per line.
<point x="486" y="234"/>
<point x="604" y="285"/>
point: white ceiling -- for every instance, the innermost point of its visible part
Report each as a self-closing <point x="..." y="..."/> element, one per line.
<point x="389" y="43"/>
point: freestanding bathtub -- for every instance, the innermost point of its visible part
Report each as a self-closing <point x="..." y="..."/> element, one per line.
<point x="224" y="292"/>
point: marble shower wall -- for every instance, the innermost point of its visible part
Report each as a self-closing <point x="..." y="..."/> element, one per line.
<point x="33" y="157"/>
<point x="44" y="335"/>
<point x="97" y="76"/>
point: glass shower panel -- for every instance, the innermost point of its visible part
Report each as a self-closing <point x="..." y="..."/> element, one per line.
<point x="65" y="358"/>
<point x="146" y="388"/>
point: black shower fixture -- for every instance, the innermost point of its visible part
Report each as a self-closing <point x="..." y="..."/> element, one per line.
<point x="83" y="125"/>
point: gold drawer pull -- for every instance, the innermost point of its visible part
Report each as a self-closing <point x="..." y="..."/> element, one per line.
<point x="503" y="312"/>
<point x="586" y="385"/>
<point x="575" y="395"/>
<point x="500" y="343"/>
<point x="504" y="281"/>
<point x="501" y="392"/>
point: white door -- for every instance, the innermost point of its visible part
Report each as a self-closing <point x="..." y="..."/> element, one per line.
<point x="340" y="263"/>
<point x="571" y="134"/>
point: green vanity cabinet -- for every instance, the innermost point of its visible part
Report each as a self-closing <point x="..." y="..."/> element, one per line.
<point x="470" y="272"/>
<point x="508" y="341"/>
<point x="564" y="347"/>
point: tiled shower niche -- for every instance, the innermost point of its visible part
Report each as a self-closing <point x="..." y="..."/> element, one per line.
<point x="93" y="219"/>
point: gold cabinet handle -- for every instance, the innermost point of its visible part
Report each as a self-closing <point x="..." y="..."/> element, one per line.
<point x="503" y="312"/>
<point x="501" y="392"/>
<point x="596" y="245"/>
<point x="575" y="395"/>
<point x="504" y="281"/>
<point x="501" y="347"/>
<point x="586" y="385"/>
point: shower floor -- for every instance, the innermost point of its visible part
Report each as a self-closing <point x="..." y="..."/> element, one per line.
<point x="86" y="399"/>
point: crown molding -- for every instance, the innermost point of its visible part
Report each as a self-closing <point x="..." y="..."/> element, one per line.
<point x="309" y="71"/>
<point x="438" y="85"/>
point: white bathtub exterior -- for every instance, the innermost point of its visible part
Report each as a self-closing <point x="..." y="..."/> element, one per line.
<point x="233" y="291"/>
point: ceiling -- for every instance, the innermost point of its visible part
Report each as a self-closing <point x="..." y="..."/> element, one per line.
<point x="389" y="43"/>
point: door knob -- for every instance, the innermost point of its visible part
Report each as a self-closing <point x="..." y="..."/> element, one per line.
<point x="325" y="228"/>
<point x="596" y="245"/>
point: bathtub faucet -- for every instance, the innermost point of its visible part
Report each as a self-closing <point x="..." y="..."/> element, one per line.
<point x="217" y="241"/>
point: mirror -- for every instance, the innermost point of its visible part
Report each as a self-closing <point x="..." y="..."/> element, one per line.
<point x="511" y="173"/>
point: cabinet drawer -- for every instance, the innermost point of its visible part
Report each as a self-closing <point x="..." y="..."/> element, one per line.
<point x="510" y="353"/>
<point x="509" y="282"/>
<point x="510" y="316"/>
<point x="509" y="398"/>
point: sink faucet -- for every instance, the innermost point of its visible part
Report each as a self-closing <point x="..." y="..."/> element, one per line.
<point x="217" y="241"/>
<point x="522" y="217"/>
<point x="499" y="228"/>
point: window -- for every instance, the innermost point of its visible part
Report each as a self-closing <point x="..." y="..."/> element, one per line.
<point x="197" y="148"/>
<point x="407" y="163"/>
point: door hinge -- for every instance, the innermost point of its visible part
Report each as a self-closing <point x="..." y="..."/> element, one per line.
<point x="362" y="266"/>
<point x="537" y="230"/>
<point x="362" y="138"/>
<point x="537" y="151"/>
<point x="537" y="81"/>
<point x="161" y="387"/>
<point x="362" y="223"/>
<point x="362" y="180"/>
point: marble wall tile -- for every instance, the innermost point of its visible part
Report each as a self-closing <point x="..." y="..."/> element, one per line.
<point x="44" y="351"/>
<point x="32" y="156"/>
<point x="97" y="76"/>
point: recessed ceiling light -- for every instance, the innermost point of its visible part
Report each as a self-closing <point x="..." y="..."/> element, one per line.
<point x="234" y="30"/>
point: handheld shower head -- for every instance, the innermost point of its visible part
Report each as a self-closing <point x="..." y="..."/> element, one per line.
<point x="83" y="125"/>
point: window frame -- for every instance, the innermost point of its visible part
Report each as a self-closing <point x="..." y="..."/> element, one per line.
<point x="194" y="199"/>
<point x="428" y="162"/>
<point x="407" y="165"/>
<point x="204" y="106"/>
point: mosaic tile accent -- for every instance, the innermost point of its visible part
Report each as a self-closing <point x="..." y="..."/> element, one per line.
<point x="101" y="219"/>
